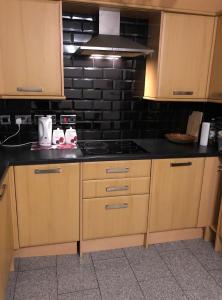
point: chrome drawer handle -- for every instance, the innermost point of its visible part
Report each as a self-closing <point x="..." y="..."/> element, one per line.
<point x="184" y="164"/>
<point x="48" y="171"/>
<point x="116" y="206"/>
<point x="3" y="189"/>
<point x="117" y="170"/>
<point x="181" y="93"/>
<point x="30" y="89"/>
<point x="117" y="188"/>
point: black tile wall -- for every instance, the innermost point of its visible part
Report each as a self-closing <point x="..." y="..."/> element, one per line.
<point x="102" y="92"/>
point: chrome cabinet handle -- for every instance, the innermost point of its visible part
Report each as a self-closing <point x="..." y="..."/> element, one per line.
<point x="183" y="164"/>
<point x="117" y="170"/>
<point x="117" y="188"/>
<point x="29" y="89"/>
<point x="48" y="171"/>
<point x="116" y="206"/>
<point x="182" y="93"/>
<point x="3" y="189"/>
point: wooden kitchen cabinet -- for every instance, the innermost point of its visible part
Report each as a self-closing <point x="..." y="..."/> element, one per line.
<point x="115" y="198"/>
<point x="175" y="194"/>
<point x="179" y="68"/>
<point x="114" y="216"/>
<point x="215" y="89"/>
<point x="31" y="62"/>
<point x="6" y="235"/>
<point x="211" y="193"/>
<point x="47" y="203"/>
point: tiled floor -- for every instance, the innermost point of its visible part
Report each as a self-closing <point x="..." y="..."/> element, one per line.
<point x="173" y="271"/>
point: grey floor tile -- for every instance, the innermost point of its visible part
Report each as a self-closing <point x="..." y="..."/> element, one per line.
<point x="39" y="262"/>
<point x="213" y="293"/>
<point x="190" y="275"/>
<point x="11" y="285"/>
<point x="74" y="260"/>
<point x="36" y="285"/>
<point x="73" y="278"/>
<point x="205" y="253"/>
<point x="140" y="252"/>
<point x="82" y="295"/>
<point x="146" y="263"/>
<point x="100" y="255"/>
<point x="217" y="275"/>
<point x="116" y="279"/>
<point x="162" y="289"/>
<point x="120" y="291"/>
<point x="116" y="268"/>
<point x="170" y="246"/>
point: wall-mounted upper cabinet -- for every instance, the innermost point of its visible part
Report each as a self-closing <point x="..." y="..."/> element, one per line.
<point x="31" y="62"/>
<point x="215" y="88"/>
<point x="179" y="68"/>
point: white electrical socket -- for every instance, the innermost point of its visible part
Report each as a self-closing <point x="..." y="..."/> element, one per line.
<point x="18" y="121"/>
<point x="25" y="119"/>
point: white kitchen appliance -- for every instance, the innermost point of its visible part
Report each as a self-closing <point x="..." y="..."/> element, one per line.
<point x="45" y="131"/>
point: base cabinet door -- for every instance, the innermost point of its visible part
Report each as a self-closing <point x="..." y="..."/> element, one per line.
<point x="6" y="235"/>
<point x="47" y="204"/>
<point x="114" y="216"/>
<point x="175" y="193"/>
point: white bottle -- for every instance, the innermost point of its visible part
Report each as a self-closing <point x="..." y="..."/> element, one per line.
<point x="58" y="137"/>
<point x="71" y="136"/>
<point x="204" y="134"/>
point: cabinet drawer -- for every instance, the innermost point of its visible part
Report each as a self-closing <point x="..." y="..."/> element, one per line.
<point x="116" y="169"/>
<point x="106" y="217"/>
<point x="115" y="187"/>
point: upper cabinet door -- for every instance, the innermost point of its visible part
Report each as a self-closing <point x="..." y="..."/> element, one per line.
<point x="215" y="89"/>
<point x="180" y="67"/>
<point x="31" y="48"/>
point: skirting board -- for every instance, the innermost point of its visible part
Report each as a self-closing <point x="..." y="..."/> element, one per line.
<point x="112" y="243"/>
<point x="57" y="249"/>
<point x="174" y="235"/>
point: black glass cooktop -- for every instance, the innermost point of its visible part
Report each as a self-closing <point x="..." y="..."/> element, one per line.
<point x="110" y="147"/>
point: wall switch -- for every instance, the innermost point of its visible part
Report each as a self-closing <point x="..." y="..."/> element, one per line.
<point x="36" y="117"/>
<point x="26" y="119"/>
<point x="5" y="120"/>
<point x="67" y="119"/>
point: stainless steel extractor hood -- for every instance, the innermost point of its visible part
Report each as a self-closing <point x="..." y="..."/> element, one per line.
<point x="109" y="42"/>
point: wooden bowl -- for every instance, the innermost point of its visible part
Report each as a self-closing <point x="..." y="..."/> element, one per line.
<point x="180" y="138"/>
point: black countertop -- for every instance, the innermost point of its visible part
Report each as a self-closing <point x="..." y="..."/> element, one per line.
<point x="157" y="149"/>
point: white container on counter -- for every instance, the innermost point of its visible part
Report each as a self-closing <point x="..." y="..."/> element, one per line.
<point x="71" y="136"/>
<point x="204" y="134"/>
<point x="58" y="137"/>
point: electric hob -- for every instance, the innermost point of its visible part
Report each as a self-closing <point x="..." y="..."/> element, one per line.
<point x="110" y="147"/>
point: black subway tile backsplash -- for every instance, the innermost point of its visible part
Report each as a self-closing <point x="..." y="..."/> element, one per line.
<point x="82" y="61"/>
<point x="112" y="95"/>
<point x="93" y="73"/>
<point x="92" y="94"/>
<point x="102" y="84"/>
<point x="112" y="73"/>
<point x="101" y="92"/>
<point x="102" y="105"/>
<point x="82" y="83"/>
<point x="68" y="82"/>
<point x="73" y="72"/>
<point x="73" y="93"/>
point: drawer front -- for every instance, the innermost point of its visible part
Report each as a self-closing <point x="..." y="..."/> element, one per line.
<point x="116" y="187"/>
<point x="116" y="169"/>
<point x="106" y="217"/>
